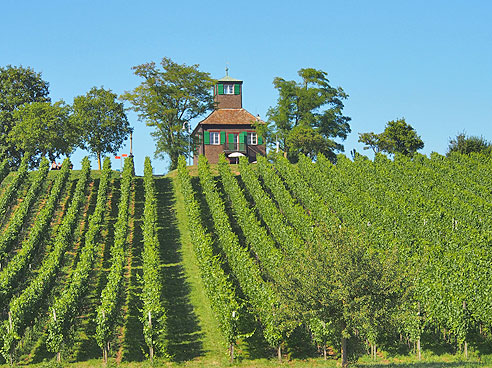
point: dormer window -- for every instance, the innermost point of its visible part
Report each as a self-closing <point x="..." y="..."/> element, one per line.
<point x="228" y="89"/>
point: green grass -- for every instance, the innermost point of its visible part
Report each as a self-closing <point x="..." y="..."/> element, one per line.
<point x="210" y="361"/>
<point x="184" y="334"/>
<point x="213" y="344"/>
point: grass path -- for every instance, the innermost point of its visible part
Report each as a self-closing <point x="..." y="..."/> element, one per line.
<point x="183" y="331"/>
<point x="213" y="345"/>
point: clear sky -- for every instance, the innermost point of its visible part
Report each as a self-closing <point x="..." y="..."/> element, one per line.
<point x="427" y="61"/>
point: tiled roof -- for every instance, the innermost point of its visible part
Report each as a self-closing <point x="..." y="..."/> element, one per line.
<point x="229" y="116"/>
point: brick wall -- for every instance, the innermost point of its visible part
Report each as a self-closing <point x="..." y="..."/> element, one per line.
<point x="229" y="101"/>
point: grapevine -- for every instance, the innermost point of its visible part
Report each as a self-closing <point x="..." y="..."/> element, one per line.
<point x="107" y="311"/>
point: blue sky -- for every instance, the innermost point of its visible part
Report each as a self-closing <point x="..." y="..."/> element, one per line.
<point x="428" y="61"/>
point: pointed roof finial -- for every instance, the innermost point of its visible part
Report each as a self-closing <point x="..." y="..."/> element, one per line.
<point x="227" y="70"/>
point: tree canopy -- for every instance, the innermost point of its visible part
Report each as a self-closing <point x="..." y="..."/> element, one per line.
<point x="102" y="122"/>
<point x="466" y="145"/>
<point x="167" y="98"/>
<point x="18" y="86"/>
<point x="397" y="137"/>
<point x="43" y="129"/>
<point x="308" y="116"/>
<point x="345" y="286"/>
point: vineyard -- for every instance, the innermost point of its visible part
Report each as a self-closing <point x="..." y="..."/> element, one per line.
<point x="241" y="262"/>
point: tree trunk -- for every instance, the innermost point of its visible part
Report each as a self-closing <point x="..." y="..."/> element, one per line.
<point x="99" y="160"/>
<point x="58" y="357"/>
<point x="106" y="353"/>
<point x="279" y="353"/>
<point x="375" y="350"/>
<point x="174" y="161"/>
<point x="231" y="350"/>
<point x="344" y="351"/>
<point x="324" y="350"/>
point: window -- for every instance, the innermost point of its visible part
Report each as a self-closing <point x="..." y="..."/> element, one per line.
<point x="252" y="138"/>
<point x="214" y="137"/>
<point x="228" y="89"/>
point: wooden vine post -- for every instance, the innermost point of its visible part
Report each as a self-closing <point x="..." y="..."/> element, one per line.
<point x="231" y="346"/>
<point x="105" y="346"/>
<point x="151" y="346"/>
<point x="58" y="353"/>
<point x="465" y="348"/>
<point x="419" y="351"/>
<point x="12" y="346"/>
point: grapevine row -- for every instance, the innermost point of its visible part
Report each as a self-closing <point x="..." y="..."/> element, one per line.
<point x="65" y="307"/>
<point x="4" y="169"/>
<point x="107" y="311"/>
<point x="20" y="216"/>
<point x="12" y="190"/>
<point x="154" y="313"/>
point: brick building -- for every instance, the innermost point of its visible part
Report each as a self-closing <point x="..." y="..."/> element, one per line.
<point x="229" y="128"/>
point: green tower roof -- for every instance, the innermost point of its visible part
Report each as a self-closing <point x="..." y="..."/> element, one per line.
<point x="227" y="78"/>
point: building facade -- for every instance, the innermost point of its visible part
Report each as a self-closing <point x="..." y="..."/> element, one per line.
<point x="229" y="129"/>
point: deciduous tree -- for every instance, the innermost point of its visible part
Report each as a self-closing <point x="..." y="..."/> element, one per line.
<point x="345" y="286"/>
<point x="102" y="121"/>
<point x="466" y="145"/>
<point x="43" y="129"/>
<point x="18" y="85"/>
<point x="167" y="98"/>
<point x="398" y="136"/>
<point x="308" y="115"/>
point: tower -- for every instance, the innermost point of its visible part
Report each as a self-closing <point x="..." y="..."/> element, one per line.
<point x="228" y="93"/>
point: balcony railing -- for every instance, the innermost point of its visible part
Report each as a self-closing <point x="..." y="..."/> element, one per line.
<point x="235" y="147"/>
